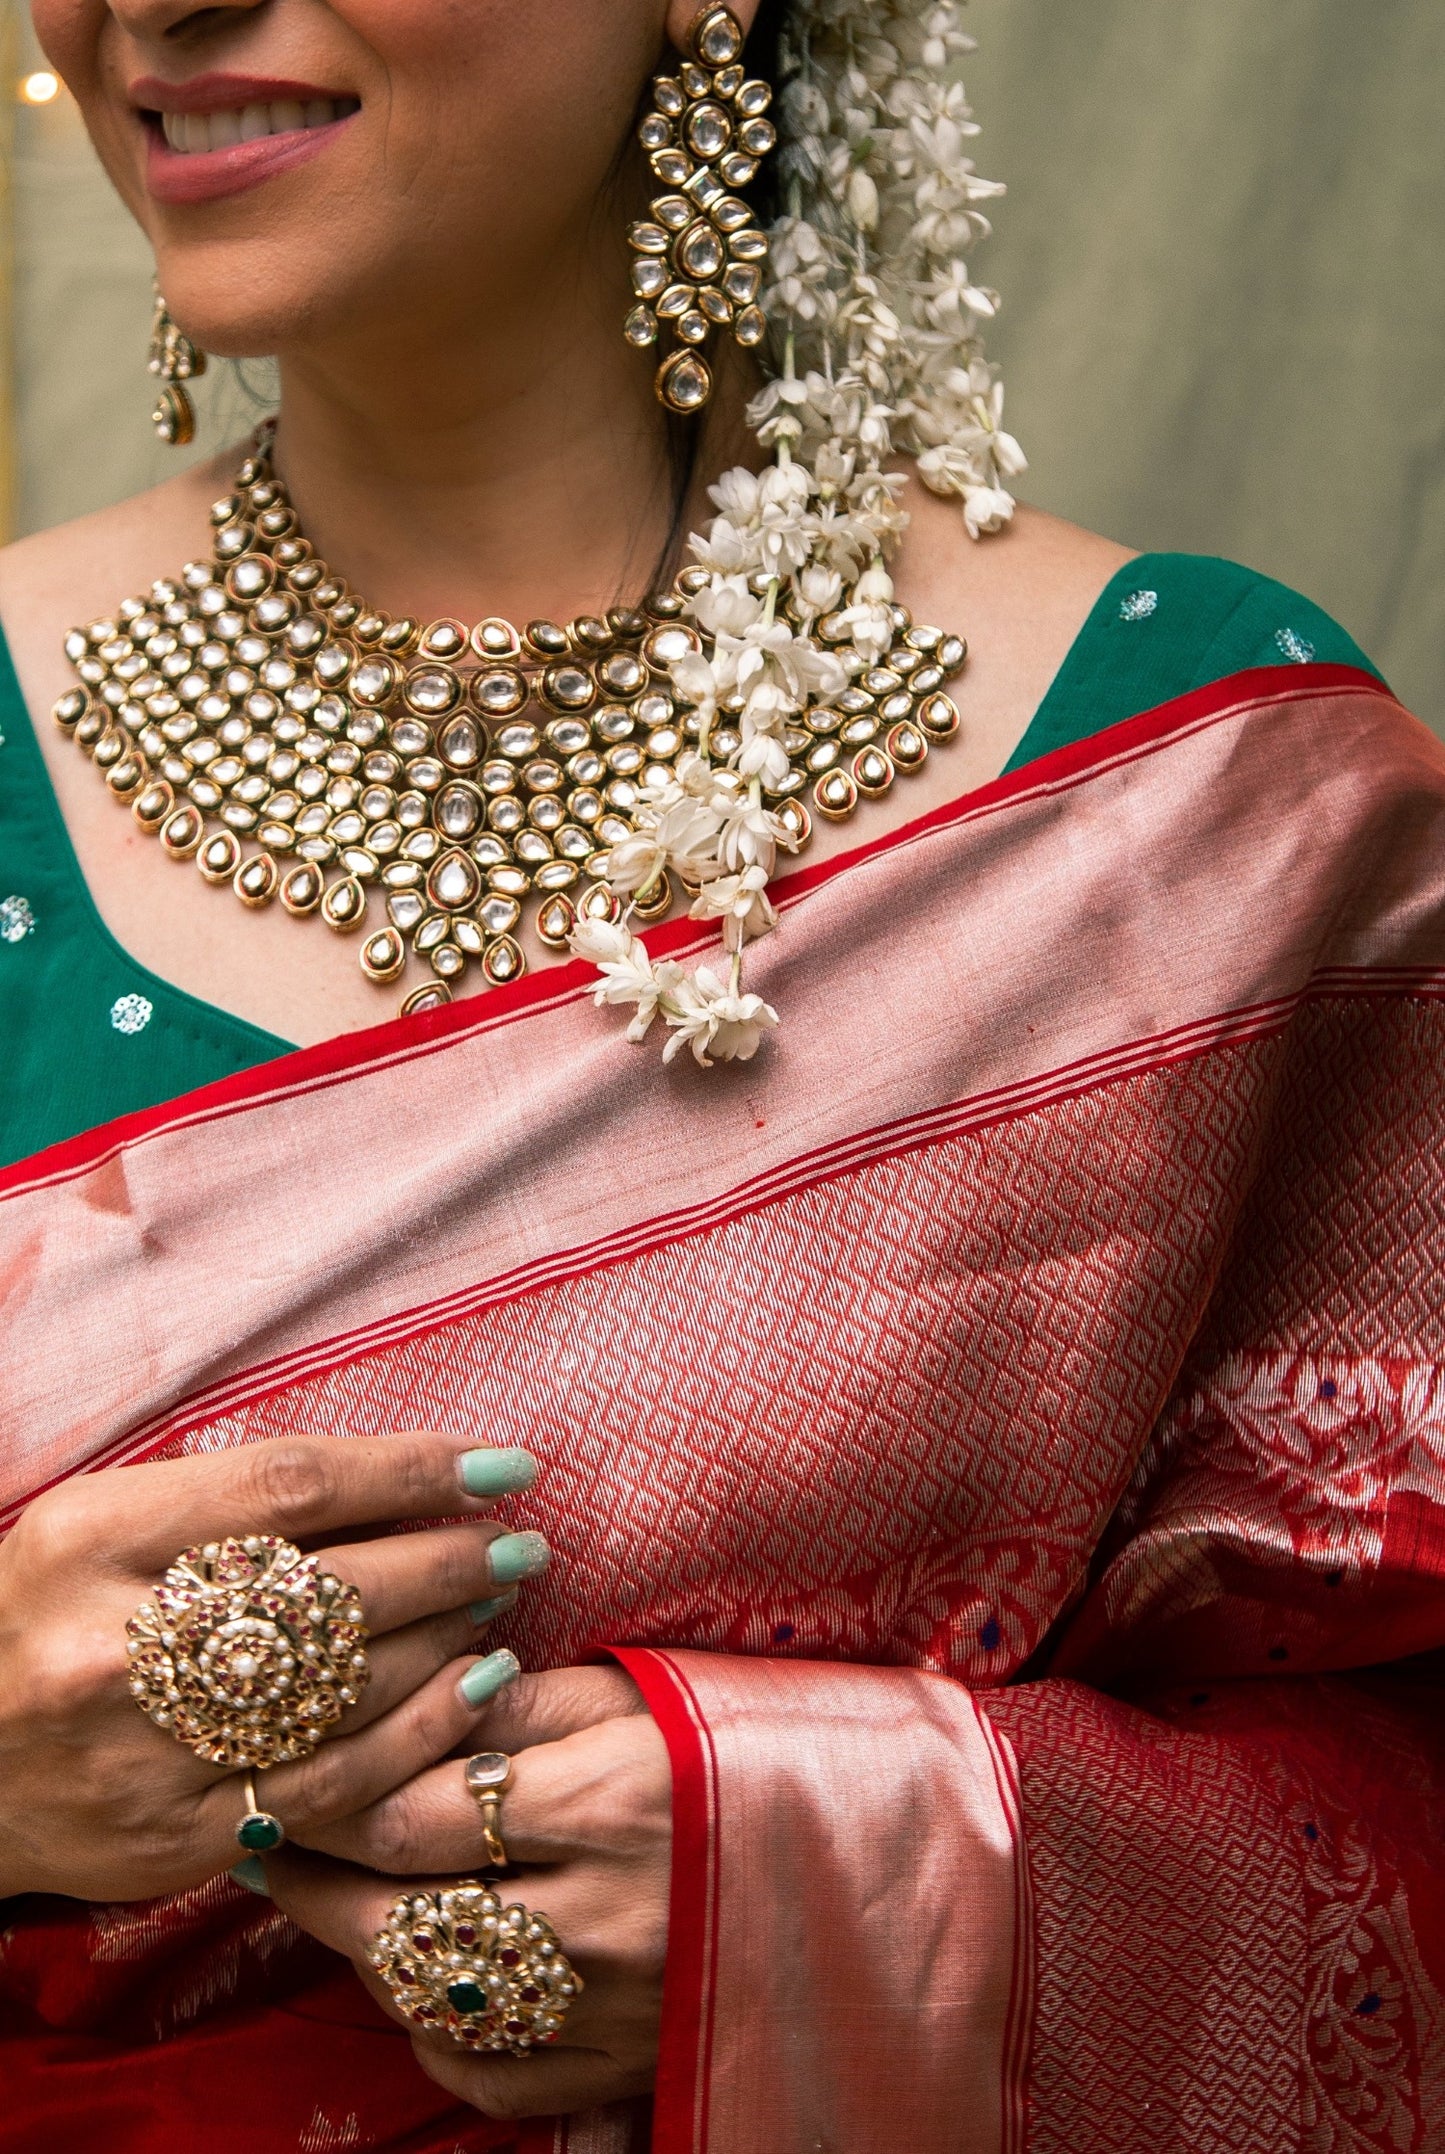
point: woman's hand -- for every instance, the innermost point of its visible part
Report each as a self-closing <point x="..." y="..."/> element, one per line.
<point x="588" y="1819"/>
<point x="98" y="1803"/>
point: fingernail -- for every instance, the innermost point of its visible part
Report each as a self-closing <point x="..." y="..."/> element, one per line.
<point x="516" y="1556"/>
<point x="491" y="1472"/>
<point x="484" y="1611"/>
<point x="486" y="1677"/>
<point x="252" y="1874"/>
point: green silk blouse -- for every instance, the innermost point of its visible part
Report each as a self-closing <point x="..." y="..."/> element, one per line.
<point x="87" y="1033"/>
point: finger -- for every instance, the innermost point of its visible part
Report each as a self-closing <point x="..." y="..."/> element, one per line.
<point x="556" y="2083"/>
<point x="405" y="1659"/>
<point x="353" y="1771"/>
<point x="410" y="1575"/>
<point x="295" y="1486"/>
<point x="606" y="1791"/>
<point x="344" y="1909"/>
<point x="339" y="1906"/>
<point x="554" y="1702"/>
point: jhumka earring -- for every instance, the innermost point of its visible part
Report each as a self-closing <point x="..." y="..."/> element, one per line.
<point x="699" y="258"/>
<point x="176" y="360"/>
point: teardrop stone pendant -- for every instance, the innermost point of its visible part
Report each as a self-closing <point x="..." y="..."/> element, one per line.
<point x="174" y="417"/>
<point x="684" y="383"/>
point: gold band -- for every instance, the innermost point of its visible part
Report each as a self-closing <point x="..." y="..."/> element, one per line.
<point x="488" y="1776"/>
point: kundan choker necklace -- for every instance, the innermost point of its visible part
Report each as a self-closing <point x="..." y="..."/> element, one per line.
<point x="417" y="785"/>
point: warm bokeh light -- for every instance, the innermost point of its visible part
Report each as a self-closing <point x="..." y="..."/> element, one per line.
<point x="39" y="88"/>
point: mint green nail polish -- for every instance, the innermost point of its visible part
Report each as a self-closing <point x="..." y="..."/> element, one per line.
<point x="486" y="1677"/>
<point x="252" y="1874"/>
<point x="516" y="1556"/>
<point x="485" y="1611"/>
<point x="490" y="1472"/>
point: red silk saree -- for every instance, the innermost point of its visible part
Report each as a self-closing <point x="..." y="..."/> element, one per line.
<point x="1002" y="1428"/>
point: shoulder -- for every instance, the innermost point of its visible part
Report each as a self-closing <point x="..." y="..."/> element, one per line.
<point x="1072" y="633"/>
<point x="1021" y="596"/>
<point x="1219" y="617"/>
<point x="1038" y="578"/>
<point x="57" y="579"/>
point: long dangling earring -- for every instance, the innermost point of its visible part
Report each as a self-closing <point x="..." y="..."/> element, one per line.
<point x="176" y="360"/>
<point x="699" y="259"/>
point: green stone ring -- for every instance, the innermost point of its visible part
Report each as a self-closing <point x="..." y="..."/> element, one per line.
<point x="259" y="1833"/>
<point x="460" y="1962"/>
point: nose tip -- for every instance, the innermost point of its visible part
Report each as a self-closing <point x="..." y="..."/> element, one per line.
<point x="173" y="20"/>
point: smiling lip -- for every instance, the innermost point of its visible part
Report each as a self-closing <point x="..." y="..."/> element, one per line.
<point x="185" y="175"/>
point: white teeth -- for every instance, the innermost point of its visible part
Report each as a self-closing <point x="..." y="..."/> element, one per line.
<point x="193" y="133"/>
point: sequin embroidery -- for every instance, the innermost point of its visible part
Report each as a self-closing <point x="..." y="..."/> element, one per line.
<point x="1139" y="605"/>
<point x="1294" y="647"/>
<point x="16" y="919"/>
<point x="131" y="1013"/>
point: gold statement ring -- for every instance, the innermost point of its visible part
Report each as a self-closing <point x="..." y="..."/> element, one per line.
<point x="249" y="1653"/>
<point x="489" y="1775"/>
<point x="460" y="1963"/>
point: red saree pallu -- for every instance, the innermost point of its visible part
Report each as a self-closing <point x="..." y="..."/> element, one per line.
<point x="1002" y="1428"/>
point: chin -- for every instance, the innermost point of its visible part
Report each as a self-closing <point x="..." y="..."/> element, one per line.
<point x="249" y="301"/>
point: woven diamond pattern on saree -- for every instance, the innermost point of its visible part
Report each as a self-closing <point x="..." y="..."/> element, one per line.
<point x="1020" y="1393"/>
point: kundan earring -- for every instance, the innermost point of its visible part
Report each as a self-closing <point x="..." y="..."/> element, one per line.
<point x="699" y="258"/>
<point x="176" y="360"/>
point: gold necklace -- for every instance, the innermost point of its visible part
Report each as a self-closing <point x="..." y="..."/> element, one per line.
<point x="260" y="719"/>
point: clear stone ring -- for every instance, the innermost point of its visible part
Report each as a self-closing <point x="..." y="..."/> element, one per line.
<point x="489" y="1775"/>
<point x="249" y="1653"/>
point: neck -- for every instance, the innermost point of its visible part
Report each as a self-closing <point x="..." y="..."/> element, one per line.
<point x="528" y="472"/>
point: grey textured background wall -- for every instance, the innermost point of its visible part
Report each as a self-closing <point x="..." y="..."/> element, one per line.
<point x="1223" y="266"/>
<point x="1222" y="258"/>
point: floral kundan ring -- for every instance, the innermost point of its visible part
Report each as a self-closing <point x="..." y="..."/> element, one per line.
<point x="460" y="1963"/>
<point x="249" y="1652"/>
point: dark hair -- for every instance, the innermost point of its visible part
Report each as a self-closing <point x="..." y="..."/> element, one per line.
<point x="762" y="56"/>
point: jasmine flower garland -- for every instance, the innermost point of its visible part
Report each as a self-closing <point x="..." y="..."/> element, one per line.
<point x="875" y="330"/>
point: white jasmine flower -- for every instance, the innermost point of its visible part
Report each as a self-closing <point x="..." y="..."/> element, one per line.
<point x="726" y="604"/>
<point x="697" y="683"/>
<point x="986" y="508"/>
<point x="751" y="836"/>
<point x="602" y="942"/>
<point x="833" y="466"/>
<point x="863" y="202"/>
<point x="686" y="831"/>
<point x="818" y="587"/>
<point x="741" y="902"/>
<point x="702" y="780"/>
<point x="634" y="863"/>
<point x="951" y="300"/>
<point x="764" y="757"/>
<point x="871" y="630"/>
<point x="736" y="494"/>
<point x="801" y="268"/>
<point x="633" y="981"/>
<point x="727" y="549"/>
<point x="705" y="1013"/>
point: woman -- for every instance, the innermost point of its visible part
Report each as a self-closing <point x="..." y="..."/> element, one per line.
<point x="989" y="1443"/>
